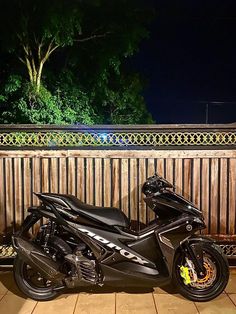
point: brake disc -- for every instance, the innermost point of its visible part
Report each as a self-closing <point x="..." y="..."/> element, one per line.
<point x="209" y="278"/>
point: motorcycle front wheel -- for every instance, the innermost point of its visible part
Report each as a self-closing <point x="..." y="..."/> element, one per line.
<point x="215" y="279"/>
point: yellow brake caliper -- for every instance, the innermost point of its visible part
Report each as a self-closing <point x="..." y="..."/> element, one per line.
<point x="184" y="273"/>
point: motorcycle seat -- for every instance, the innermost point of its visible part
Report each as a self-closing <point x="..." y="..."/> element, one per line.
<point x="109" y="215"/>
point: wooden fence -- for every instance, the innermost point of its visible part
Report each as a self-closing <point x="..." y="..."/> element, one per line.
<point x="106" y="166"/>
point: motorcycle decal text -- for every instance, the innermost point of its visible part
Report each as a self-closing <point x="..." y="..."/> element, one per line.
<point x="114" y="246"/>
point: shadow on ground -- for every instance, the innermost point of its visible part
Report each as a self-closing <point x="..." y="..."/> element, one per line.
<point x="7" y="281"/>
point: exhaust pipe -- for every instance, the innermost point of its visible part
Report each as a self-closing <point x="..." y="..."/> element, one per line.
<point x="37" y="259"/>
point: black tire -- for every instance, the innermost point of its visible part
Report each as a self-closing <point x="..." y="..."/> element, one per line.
<point x="25" y="285"/>
<point x="29" y="288"/>
<point x="221" y="275"/>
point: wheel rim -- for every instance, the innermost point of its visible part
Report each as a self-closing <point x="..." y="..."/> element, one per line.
<point x="34" y="279"/>
<point x="210" y="276"/>
<point x="205" y="283"/>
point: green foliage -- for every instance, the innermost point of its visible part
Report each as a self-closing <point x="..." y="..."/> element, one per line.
<point x="84" y="45"/>
<point x="25" y="105"/>
<point x="13" y="84"/>
<point x="114" y="99"/>
<point x="40" y="21"/>
<point x="119" y="98"/>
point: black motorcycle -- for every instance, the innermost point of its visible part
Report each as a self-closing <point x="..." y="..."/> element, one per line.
<point x="80" y="245"/>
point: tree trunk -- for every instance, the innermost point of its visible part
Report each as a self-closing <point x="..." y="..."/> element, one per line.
<point x="39" y="75"/>
<point x="35" y="73"/>
<point x="30" y="71"/>
<point x="35" y="61"/>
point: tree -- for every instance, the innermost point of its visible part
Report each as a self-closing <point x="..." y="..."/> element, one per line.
<point x="118" y="97"/>
<point x="36" y="29"/>
<point x="84" y="39"/>
<point x="68" y="104"/>
<point x="41" y="27"/>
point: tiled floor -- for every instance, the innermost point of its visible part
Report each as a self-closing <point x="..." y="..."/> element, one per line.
<point x="106" y="301"/>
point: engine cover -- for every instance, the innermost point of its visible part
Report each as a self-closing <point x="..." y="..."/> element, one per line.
<point x="85" y="271"/>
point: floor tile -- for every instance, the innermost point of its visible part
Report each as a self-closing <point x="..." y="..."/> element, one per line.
<point x="174" y="304"/>
<point x="220" y="305"/>
<point x="14" y="290"/>
<point x="231" y="287"/>
<point x="127" y="303"/>
<point x="158" y="290"/>
<point x="3" y="289"/>
<point x="6" y="281"/>
<point x="13" y="304"/>
<point x="165" y="289"/>
<point x="12" y="301"/>
<point x="1" y="296"/>
<point x="95" y="303"/>
<point x="65" y="304"/>
<point x="233" y="298"/>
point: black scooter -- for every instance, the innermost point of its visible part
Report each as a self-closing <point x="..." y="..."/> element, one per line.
<point x="79" y="245"/>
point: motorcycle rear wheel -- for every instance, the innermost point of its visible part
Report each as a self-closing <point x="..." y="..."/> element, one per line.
<point x="31" y="283"/>
<point x="215" y="281"/>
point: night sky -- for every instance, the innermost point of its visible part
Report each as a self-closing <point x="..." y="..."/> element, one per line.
<point x="189" y="60"/>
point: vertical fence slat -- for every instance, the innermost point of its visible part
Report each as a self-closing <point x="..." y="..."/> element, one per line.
<point x="160" y="167"/>
<point x="142" y="179"/>
<point x="36" y="179"/>
<point x="45" y="175"/>
<point x="80" y="179"/>
<point x="187" y="178"/>
<point x="107" y="182"/>
<point x="89" y="181"/>
<point x="27" y="183"/>
<point x="98" y="182"/>
<point x="36" y="183"/>
<point x="45" y="180"/>
<point x="71" y="175"/>
<point x="214" y="194"/>
<point x="232" y="196"/>
<point x="133" y="188"/>
<point x="9" y="194"/>
<point x="169" y="170"/>
<point x="196" y="182"/>
<point x="18" y="190"/>
<point x="116" y="183"/>
<point x="2" y="198"/>
<point x="205" y="192"/>
<point x="54" y="175"/>
<point x="62" y="176"/>
<point x="150" y="172"/>
<point x="223" y="199"/>
<point x="124" y="186"/>
<point x="178" y="175"/>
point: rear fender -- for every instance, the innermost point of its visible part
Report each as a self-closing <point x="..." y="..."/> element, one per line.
<point x="38" y="212"/>
<point x="29" y="221"/>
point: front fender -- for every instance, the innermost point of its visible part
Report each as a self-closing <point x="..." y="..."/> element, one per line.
<point x="198" y="238"/>
<point x="192" y="246"/>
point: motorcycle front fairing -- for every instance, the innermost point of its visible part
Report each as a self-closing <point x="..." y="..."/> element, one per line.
<point x="135" y="260"/>
<point x="179" y="220"/>
<point x="169" y="204"/>
<point x="141" y="259"/>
